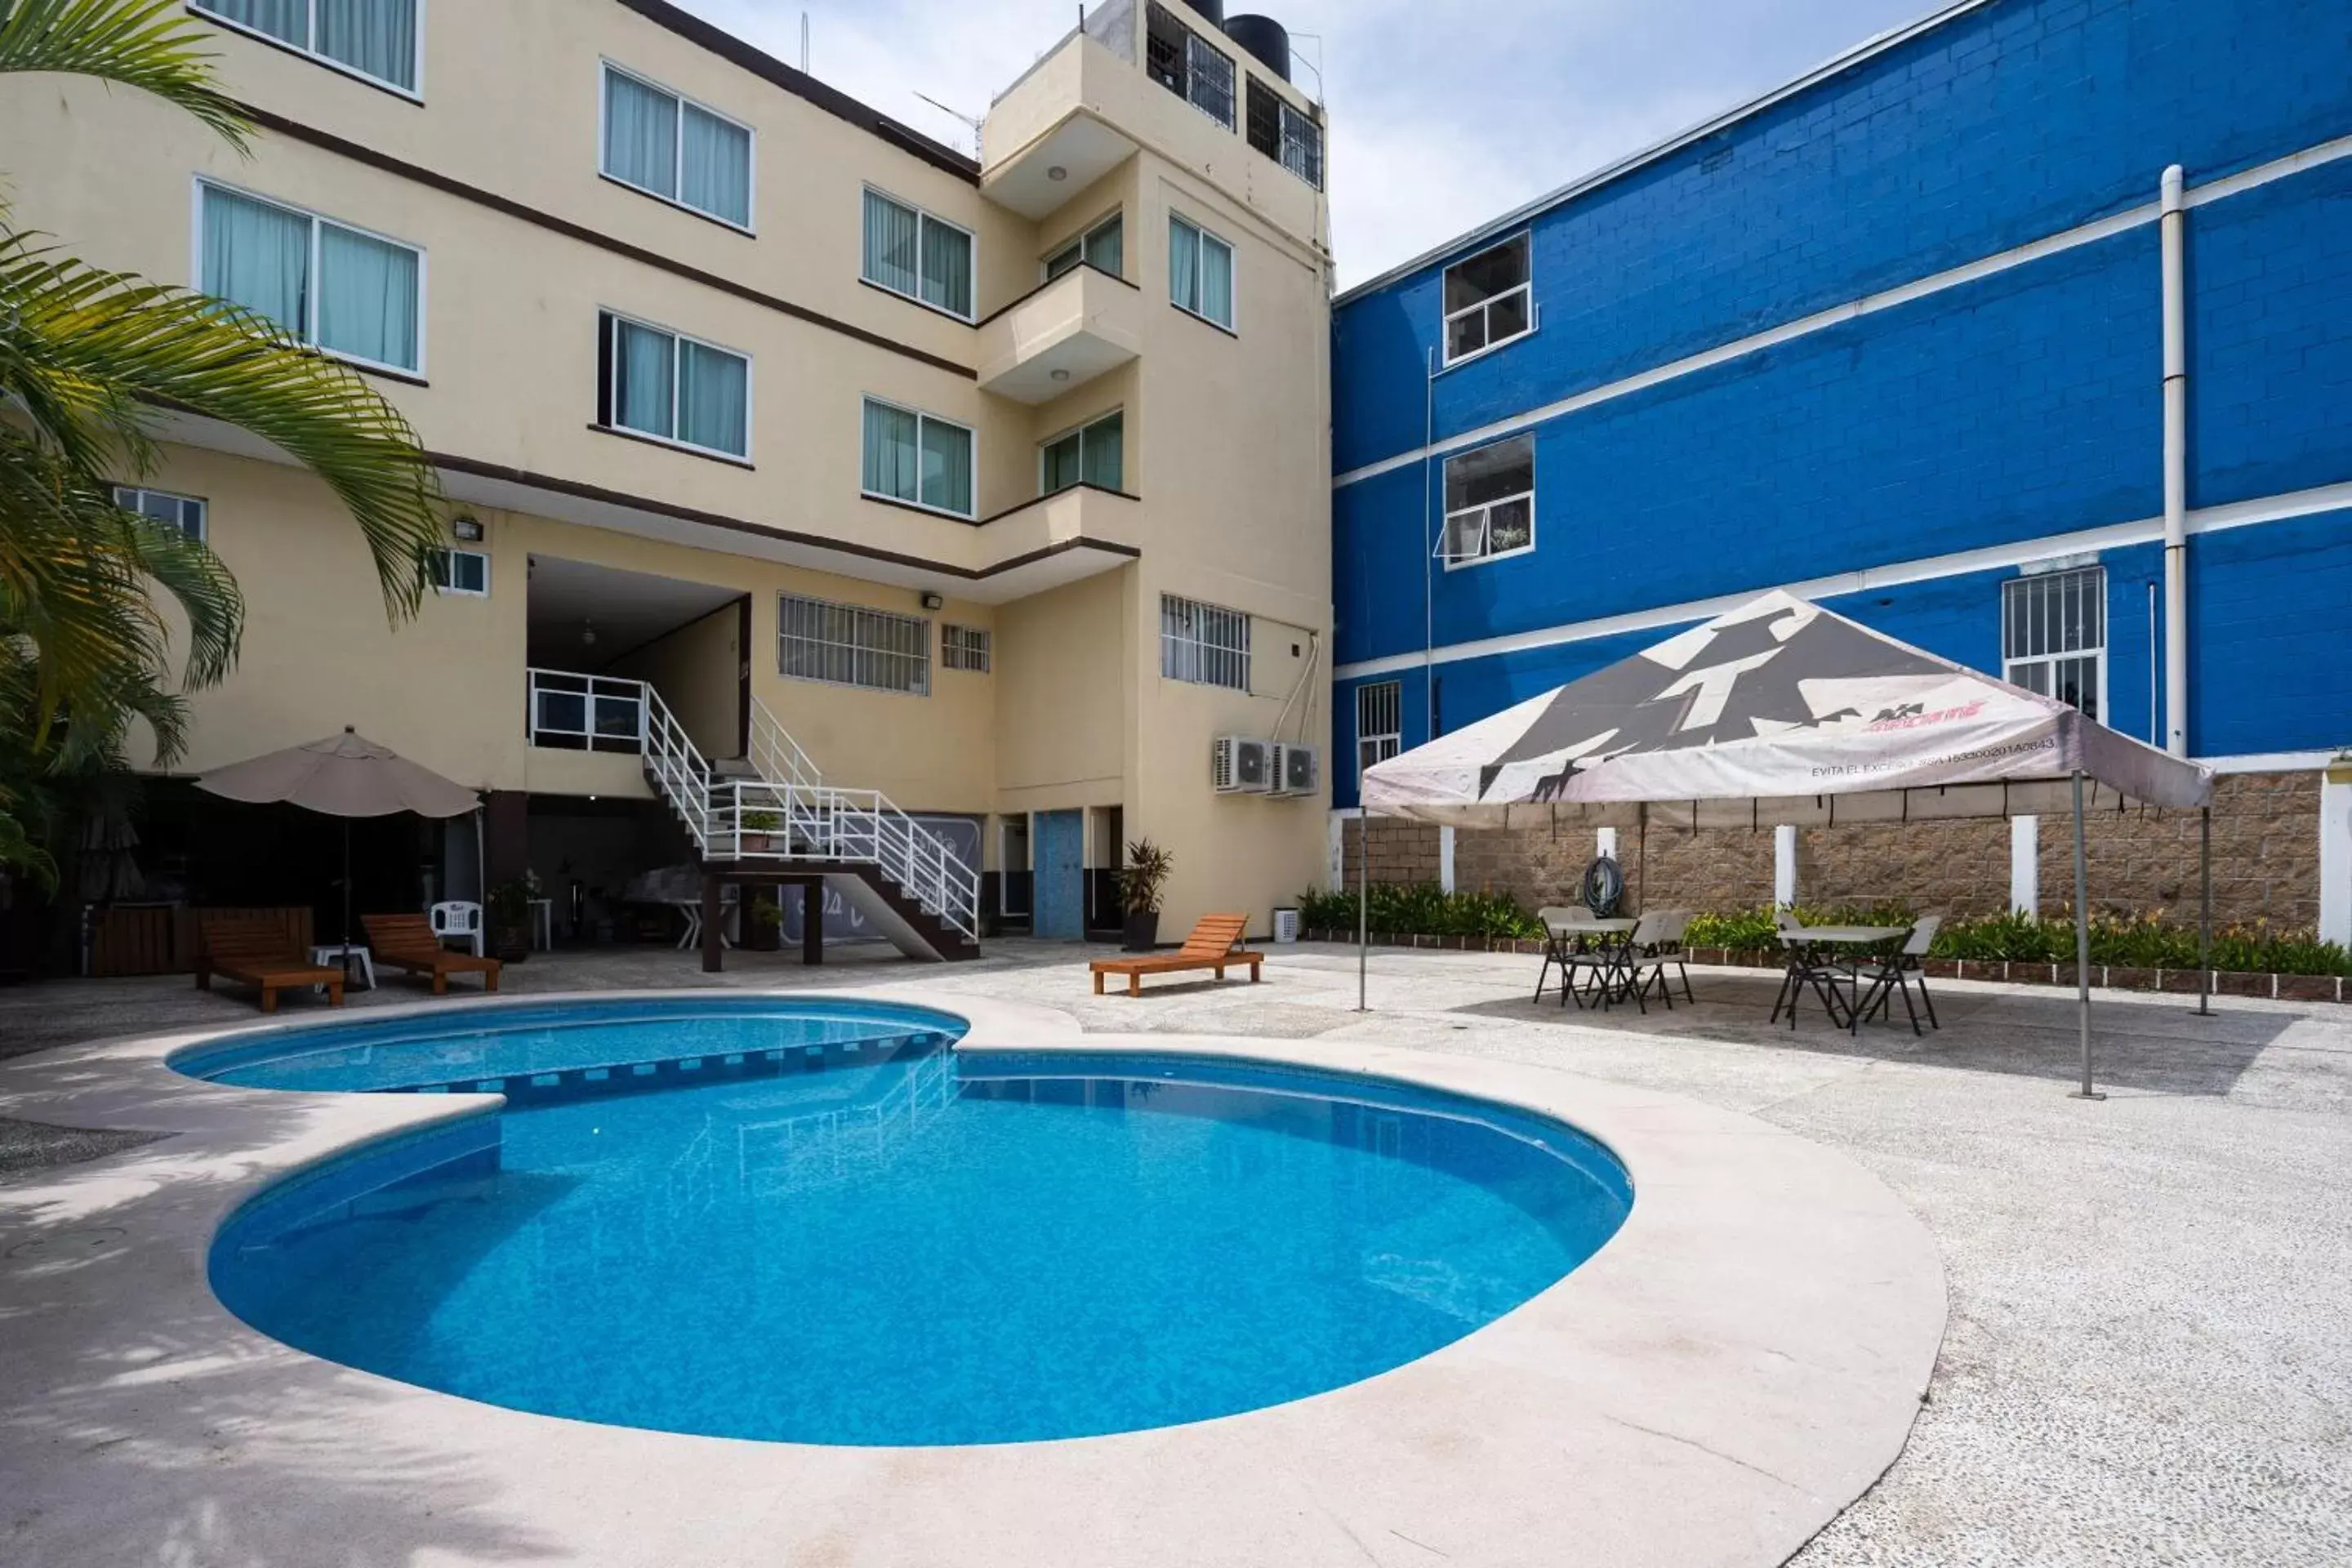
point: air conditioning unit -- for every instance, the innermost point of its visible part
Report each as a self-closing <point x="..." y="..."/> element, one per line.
<point x="1239" y="765"/>
<point x="1296" y="769"/>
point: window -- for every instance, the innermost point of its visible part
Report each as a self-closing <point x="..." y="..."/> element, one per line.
<point x="1189" y="66"/>
<point x="1102" y="247"/>
<point x="2053" y="637"/>
<point x="910" y="252"/>
<point x="373" y="38"/>
<point x="1490" y="502"/>
<point x="460" y="571"/>
<point x="917" y="458"/>
<point x="670" y="147"/>
<point x="1203" y="644"/>
<point x="1089" y="456"/>
<point x="1379" y="723"/>
<point x="1201" y="272"/>
<point x="1283" y="134"/>
<point x="964" y="647"/>
<point x="354" y="294"/>
<point x="849" y="645"/>
<point x="1487" y="300"/>
<point x="185" y="513"/>
<point x="673" y="388"/>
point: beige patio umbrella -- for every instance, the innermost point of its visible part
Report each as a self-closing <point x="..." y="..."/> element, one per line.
<point x="344" y="775"/>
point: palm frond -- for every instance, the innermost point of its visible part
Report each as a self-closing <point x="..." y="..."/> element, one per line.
<point x="152" y="45"/>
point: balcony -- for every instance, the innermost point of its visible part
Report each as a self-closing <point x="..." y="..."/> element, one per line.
<point x="1060" y="336"/>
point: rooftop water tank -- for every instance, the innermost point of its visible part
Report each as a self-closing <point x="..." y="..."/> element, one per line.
<point x="1265" y="37"/>
<point x="1214" y="10"/>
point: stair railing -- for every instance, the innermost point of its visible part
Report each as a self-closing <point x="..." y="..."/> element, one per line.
<point x="680" y="772"/>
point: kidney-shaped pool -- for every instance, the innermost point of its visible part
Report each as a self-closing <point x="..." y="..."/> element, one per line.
<point x="812" y="1221"/>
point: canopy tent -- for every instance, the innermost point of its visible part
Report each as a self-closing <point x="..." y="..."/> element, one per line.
<point x="344" y="775"/>
<point x="1781" y="713"/>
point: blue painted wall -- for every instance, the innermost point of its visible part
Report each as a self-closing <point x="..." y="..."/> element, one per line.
<point x="2019" y="406"/>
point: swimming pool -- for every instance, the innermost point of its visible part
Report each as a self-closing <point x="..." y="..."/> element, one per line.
<point x="804" y="1220"/>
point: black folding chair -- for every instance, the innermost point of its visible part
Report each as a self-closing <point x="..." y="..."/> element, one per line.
<point x="1899" y="971"/>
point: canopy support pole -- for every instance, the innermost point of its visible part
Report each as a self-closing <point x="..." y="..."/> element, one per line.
<point x="2205" y="912"/>
<point x="1363" y="903"/>
<point x="2082" y="944"/>
<point x="347" y="903"/>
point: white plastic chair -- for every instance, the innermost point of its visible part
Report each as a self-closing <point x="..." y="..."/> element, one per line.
<point x="458" y="919"/>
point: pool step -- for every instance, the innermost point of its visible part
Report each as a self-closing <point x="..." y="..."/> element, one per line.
<point x="686" y="1070"/>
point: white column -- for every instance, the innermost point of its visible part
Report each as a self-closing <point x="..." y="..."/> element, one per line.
<point x="2025" y="865"/>
<point x="1784" y="865"/>
<point x="1605" y="843"/>
<point x="1445" y="859"/>
<point x="2335" y="853"/>
<point x="1336" y="867"/>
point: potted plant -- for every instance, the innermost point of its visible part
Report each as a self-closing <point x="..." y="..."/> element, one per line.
<point x="509" y="913"/>
<point x="754" y="828"/>
<point x="763" y="923"/>
<point x="1140" y="881"/>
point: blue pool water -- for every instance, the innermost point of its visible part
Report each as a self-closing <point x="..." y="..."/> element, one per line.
<point x="830" y="1230"/>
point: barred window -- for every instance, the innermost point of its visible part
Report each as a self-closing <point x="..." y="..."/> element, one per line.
<point x="1379" y="723"/>
<point x="964" y="647"/>
<point x="849" y="645"/>
<point x="1203" y="644"/>
<point x="2053" y="637"/>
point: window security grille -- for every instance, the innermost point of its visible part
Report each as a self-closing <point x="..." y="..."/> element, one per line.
<point x="964" y="647"/>
<point x="1203" y="644"/>
<point x="1379" y="723"/>
<point x="2053" y="638"/>
<point x="849" y="645"/>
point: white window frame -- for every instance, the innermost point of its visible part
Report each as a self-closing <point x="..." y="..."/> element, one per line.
<point x="128" y="497"/>
<point x="1485" y="511"/>
<point x="309" y="50"/>
<point x="608" y="400"/>
<point x="1197" y="648"/>
<point x="1525" y="238"/>
<point x="860" y="615"/>
<point x="445" y="581"/>
<point x="309" y="334"/>
<point x="1382" y="744"/>
<point x="922" y="217"/>
<point x="1077" y="242"/>
<point x="969" y="649"/>
<point x="1079" y="430"/>
<point x="921" y="419"/>
<point x="2058" y="581"/>
<point x="750" y="162"/>
<point x="1232" y="280"/>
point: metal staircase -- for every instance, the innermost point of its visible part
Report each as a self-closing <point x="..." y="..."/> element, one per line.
<point x="783" y="814"/>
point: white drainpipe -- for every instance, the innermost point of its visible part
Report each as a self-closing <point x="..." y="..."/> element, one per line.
<point x="2176" y="469"/>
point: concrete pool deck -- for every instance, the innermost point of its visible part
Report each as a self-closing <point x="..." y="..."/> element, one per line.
<point x="1742" y="1360"/>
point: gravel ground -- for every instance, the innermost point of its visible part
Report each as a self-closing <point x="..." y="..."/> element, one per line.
<point x="2150" y="1353"/>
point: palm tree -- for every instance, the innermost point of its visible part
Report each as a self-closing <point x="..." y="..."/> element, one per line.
<point x="90" y="360"/>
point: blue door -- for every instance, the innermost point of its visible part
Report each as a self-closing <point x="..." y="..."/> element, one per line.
<point x="1060" y="890"/>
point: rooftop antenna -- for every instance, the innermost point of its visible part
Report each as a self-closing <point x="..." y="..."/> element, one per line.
<point x="958" y="116"/>
<point x="804" y="41"/>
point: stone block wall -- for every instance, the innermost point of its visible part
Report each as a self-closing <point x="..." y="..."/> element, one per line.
<point x="2265" y="861"/>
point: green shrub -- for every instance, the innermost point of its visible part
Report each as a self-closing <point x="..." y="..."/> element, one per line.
<point x="1422" y="908"/>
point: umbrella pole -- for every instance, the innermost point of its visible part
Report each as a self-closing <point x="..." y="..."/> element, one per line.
<point x="347" y="903"/>
<point x="1363" y="904"/>
<point x="2205" y="912"/>
<point x="2082" y="944"/>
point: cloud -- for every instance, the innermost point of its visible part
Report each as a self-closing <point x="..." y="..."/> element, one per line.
<point x="1444" y="114"/>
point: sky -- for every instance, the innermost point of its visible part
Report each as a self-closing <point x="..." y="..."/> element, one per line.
<point x="1442" y="115"/>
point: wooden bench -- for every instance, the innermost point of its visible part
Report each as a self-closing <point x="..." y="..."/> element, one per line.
<point x="1211" y="947"/>
<point x="254" y="953"/>
<point x="408" y="943"/>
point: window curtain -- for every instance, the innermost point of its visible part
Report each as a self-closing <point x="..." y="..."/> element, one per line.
<point x="714" y="399"/>
<point x="718" y="168"/>
<point x="1062" y="467"/>
<point x="1104" y="247"/>
<point x="378" y="36"/>
<point x="1104" y="464"/>
<point x="1217" y="280"/>
<point x="947" y="268"/>
<point x="260" y="256"/>
<point x="890" y="244"/>
<point x="640" y="134"/>
<point x="947" y="466"/>
<point x="286" y="19"/>
<point x="889" y="452"/>
<point x="644" y="364"/>
<point x="367" y="297"/>
<point x="1185" y="264"/>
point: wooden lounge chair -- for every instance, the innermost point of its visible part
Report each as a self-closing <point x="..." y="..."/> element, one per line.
<point x="1211" y="946"/>
<point x="406" y="943"/>
<point x="257" y="953"/>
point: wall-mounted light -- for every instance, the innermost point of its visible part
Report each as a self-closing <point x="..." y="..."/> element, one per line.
<point x="465" y="528"/>
<point x="932" y="602"/>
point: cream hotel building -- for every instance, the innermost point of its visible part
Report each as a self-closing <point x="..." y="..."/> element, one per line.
<point x="787" y="449"/>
